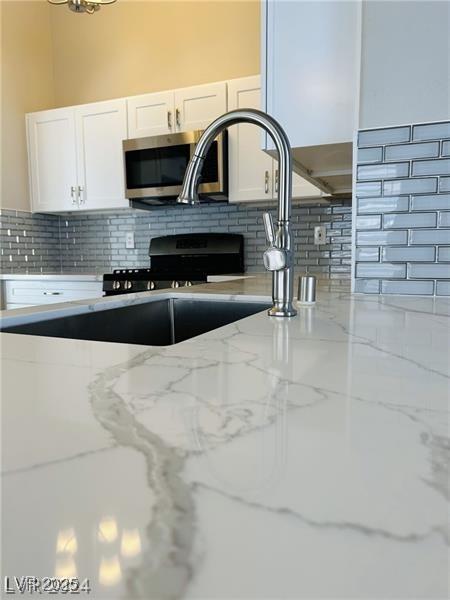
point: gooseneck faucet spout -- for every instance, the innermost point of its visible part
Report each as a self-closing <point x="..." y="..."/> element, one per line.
<point x="278" y="258"/>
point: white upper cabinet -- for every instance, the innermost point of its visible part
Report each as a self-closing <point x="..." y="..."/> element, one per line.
<point x="52" y="160"/>
<point x="185" y="109"/>
<point x="196" y="107"/>
<point x="75" y="157"/>
<point x="311" y="58"/>
<point x="250" y="168"/>
<point x="100" y="129"/>
<point x="253" y="173"/>
<point x="151" y="114"/>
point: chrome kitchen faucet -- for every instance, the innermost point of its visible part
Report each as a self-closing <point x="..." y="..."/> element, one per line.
<point x="278" y="258"/>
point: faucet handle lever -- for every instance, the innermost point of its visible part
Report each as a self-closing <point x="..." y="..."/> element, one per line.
<point x="268" y="226"/>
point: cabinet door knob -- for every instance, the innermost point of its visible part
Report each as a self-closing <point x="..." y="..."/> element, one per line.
<point x="266" y="182"/>
<point x="81" y="194"/>
<point x="177" y="117"/>
<point x="73" y="190"/>
<point x="169" y="119"/>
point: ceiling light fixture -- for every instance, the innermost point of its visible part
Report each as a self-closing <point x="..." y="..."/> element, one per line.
<point x="81" y="6"/>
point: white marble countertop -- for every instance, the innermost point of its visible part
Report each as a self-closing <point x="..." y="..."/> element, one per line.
<point x="303" y="458"/>
<point x="51" y="276"/>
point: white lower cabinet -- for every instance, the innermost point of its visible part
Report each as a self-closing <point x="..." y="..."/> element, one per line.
<point x="253" y="174"/>
<point x="22" y="293"/>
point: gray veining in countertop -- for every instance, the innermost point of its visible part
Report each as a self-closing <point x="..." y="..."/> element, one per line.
<point x="302" y="458"/>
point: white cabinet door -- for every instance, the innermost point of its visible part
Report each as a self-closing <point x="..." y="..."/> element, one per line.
<point x="150" y="114"/>
<point x="311" y="57"/>
<point x="253" y="174"/>
<point x="311" y="69"/>
<point x="101" y="127"/>
<point x="52" y="160"/>
<point x="250" y="168"/>
<point x="196" y="107"/>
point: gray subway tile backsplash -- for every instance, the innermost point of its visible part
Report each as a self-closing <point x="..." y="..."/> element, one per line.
<point x="409" y="220"/>
<point x="398" y="187"/>
<point x="443" y="288"/>
<point x="368" y="222"/>
<point x="444" y="219"/>
<point x="431" y="131"/>
<point x="416" y="288"/>
<point x="383" y="171"/>
<point x="444" y="184"/>
<point x="429" y="271"/>
<point x="429" y="236"/>
<point x="368" y="188"/>
<point x="383" y="205"/>
<point x="370" y="155"/>
<point x="444" y="254"/>
<point x="381" y="270"/>
<point x="409" y="151"/>
<point x="431" y="202"/>
<point x="410" y="252"/>
<point x="367" y="254"/>
<point x="381" y="137"/>
<point x="431" y="167"/>
<point x="381" y="238"/>
<point x="367" y="286"/>
<point x="96" y="242"/>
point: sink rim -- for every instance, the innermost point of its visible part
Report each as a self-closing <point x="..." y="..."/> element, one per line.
<point x="35" y="314"/>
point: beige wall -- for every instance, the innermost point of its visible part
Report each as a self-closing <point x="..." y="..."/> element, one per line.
<point x="53" y="57"/>
<point x="136" y="47"/>
<point x="27" y="85"/>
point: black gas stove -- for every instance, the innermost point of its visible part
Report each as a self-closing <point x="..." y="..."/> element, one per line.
<point x="180" y="261"/>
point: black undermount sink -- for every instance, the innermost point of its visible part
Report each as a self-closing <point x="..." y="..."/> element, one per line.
<point x="154" y="323"/>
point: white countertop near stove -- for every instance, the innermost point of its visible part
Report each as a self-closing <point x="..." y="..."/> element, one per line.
<point x="302" y="458"/>
<point x="51" y="276"/>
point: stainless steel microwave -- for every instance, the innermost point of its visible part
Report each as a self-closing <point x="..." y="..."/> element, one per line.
<point x="155" y="167"/>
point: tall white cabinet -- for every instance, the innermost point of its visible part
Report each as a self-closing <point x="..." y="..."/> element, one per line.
<point x="75" y="157"/>
<point x="253" y="173"/>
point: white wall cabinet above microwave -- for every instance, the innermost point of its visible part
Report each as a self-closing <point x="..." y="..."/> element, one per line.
<point x="75" y="157"/>
<point x="185" y="109"/>
<point x="253" y="173"/>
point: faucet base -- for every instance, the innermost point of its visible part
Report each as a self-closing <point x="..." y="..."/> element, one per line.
<point x="282" y="311"/>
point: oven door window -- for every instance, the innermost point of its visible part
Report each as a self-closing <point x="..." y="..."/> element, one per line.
<point x="165" y="166"/>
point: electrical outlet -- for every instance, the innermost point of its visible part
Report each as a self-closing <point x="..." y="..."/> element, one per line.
<point x="320" y="235"/>
<point x="129" y="240"/>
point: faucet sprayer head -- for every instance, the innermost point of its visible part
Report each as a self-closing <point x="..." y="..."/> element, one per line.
<point x="188" y="194"/>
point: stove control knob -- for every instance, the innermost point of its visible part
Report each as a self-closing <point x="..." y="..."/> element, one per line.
<point x="150" y="285"/>
<point x="175" y="284"/>
<point x="128" y="285"/>
<point x="116" y="285"/>
<point x="187" y="283"/>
